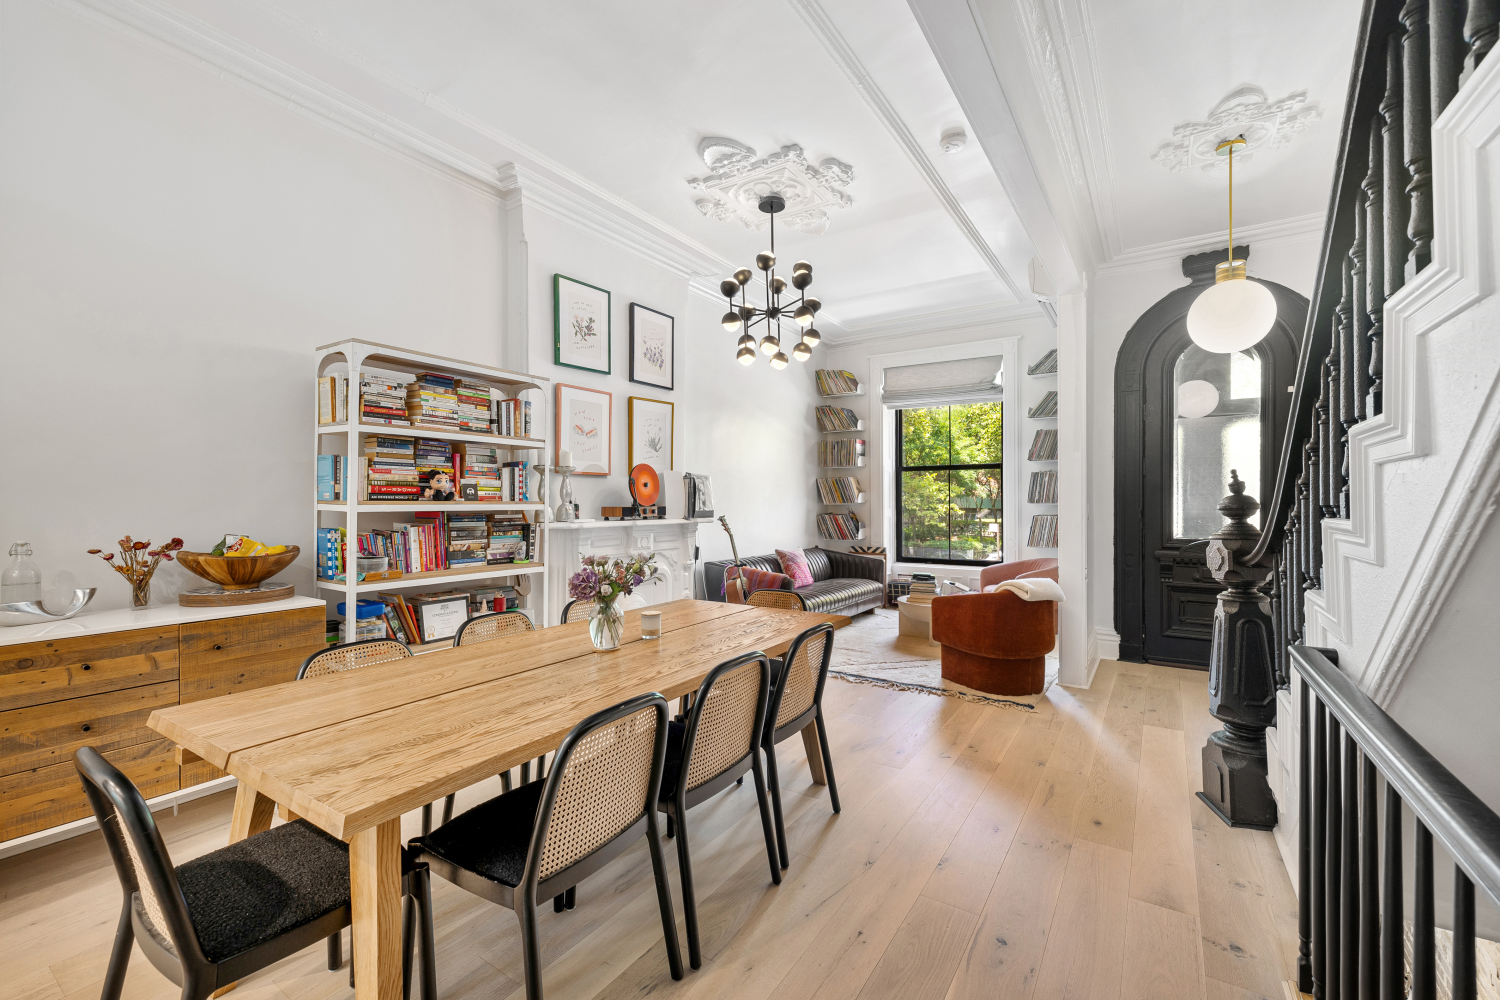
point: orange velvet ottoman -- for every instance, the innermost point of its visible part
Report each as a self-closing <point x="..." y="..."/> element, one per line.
<point x="996" y="643"/>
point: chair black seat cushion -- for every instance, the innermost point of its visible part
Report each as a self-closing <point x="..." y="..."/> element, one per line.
<point x="830" y="596"/>
<point x="490" y="840"/>
<point x="254" y="891"/>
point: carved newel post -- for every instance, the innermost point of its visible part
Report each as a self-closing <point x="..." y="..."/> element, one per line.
<point x="1241" y="681"/>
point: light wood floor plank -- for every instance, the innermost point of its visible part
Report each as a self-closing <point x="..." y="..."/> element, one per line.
<point x="1197" y="727"/>
<point x="1124" y="716"/>
<point x="1218" y="990"/>
<point x="992" y="736"/>
<point x="1163" y="960"/>
<point x="1085" y="956"/>
<point x="919" y="962"/>
<point x="1240" y="943"/>
<point x="1162" y="870"/>
<point x="1107" y="814"/>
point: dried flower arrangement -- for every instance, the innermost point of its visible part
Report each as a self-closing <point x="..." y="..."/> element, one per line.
<point x="133" y="564"/>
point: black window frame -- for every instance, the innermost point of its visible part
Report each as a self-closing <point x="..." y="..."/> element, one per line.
<point x="901" y="468"/>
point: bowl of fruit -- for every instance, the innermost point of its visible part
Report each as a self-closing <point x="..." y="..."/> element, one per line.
<point x="239" y="562"/>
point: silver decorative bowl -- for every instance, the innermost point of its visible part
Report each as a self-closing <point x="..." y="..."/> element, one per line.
<point x="33" y="613"/>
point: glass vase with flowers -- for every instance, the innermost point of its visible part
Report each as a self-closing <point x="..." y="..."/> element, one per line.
<point x="604" y="581"/>
<point x="137" y="563"/>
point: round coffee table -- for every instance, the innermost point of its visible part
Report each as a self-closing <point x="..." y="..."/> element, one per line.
<point x="915" y="620"/>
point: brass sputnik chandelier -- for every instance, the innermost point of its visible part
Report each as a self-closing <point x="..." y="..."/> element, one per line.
<point x="747" y="316"/>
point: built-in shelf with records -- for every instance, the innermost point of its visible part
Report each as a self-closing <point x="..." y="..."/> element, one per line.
<point x="1041" y="485"/>
<point x="835" y="451"/>
<point x="429" y="491"/>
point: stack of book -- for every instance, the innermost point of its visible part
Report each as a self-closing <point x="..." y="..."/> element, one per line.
<point x="511" y="538"/>
<point x="841" y="453"/>
<point x="837" y="418"/>
<point x="331" y="553"/>
<point x="481" y="469"/>
<point x="400" y="620"/>
<point x="432" y="402"/>
<point x="842" y="489"/>
<point x="1043" y="487"/>
<point x="1045" y="365"/>
<point x="468" y="540"/>
<point x="333" y="399"/>
<point x="333" y="479"/>
<point x="382" y="400"/>
<point x="487" y="600"/>
<point x="473" y="406"/>
<point x="836" y="383"/>
<point x="433" y="456"/>
<point x="1043" y="531"/>
<point x="1043" y="447"/>
<point x="513" y="418"/>
<point x="923" y="589"/>
<point x="390" y="468"/>
<point x="1047" y="407"/>
<point x="843" y="526"/>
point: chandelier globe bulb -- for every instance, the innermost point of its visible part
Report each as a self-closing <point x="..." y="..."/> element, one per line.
<point x="778" y="361"/>
<point x="745" y="355"/>
<point x="802" y="352"/>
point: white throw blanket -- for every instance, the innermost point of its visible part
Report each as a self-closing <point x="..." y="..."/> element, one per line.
<point x="1033" y="588"/>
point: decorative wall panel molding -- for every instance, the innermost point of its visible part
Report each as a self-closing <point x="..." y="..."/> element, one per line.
<point x="1265" y="124"/>
<point x="740" y="179"/>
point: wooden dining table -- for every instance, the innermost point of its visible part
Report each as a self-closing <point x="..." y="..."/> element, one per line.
<point x="351" y="752"/>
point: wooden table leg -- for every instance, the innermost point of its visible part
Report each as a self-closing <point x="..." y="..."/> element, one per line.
<point x="814" y="753"/>
<point x="252" y="814"/>
<point x="375" y="887"/>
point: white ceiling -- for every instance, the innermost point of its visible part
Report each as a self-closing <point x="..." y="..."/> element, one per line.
<point x="610" y="101"/>
<point x="619" y="96"/>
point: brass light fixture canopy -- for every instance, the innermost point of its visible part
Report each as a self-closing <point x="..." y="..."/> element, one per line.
<point x="800" y="308"/>
<point x="1235" y="313"/>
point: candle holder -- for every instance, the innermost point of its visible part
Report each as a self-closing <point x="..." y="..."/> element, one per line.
<point x="565" y="494"/>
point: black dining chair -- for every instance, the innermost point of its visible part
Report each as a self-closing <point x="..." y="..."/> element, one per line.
<point x="216" y="919"/>
<point x="713" y="749"/>
<point x="538" y="841"/>
<point x="576" y="611"/>
<point x="796" y="703"/>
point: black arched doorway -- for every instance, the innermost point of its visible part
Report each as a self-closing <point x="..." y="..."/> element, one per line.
<point x="1183" y="418"/>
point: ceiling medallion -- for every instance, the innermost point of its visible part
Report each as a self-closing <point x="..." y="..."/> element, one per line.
<point x="739" y="181"/>
<point x="799" y="311"/>
<point x="1265" y="124"/>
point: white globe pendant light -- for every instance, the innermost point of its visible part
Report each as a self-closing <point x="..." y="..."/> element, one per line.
<point x="1236" y="312"/>
<point x="1196" y="399"/>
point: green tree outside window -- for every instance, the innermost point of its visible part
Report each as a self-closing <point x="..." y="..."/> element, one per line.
<point x="948" y="483"/>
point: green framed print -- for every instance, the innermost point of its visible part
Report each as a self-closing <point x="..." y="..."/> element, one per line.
<point x="580" y="325"/>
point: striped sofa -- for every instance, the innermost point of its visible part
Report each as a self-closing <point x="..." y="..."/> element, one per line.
<point x="843" y="583"/>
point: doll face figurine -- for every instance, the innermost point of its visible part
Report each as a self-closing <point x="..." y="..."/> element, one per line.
<point x="440" y="487"/>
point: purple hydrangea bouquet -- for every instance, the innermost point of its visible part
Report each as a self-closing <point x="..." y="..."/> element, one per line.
<point x="604" y="581"/>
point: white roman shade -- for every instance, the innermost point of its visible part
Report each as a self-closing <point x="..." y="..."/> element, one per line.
<point x="943" y="383"/>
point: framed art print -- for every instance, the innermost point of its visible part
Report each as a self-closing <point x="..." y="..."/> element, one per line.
<point x="650" y="433"/>
<point x="580" y="325"/>
<point x="584" y="424"/>
<point x="652" y="345"/>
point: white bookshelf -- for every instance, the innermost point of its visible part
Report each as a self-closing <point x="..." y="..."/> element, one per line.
<point x="1032" y="510"/>
<point x="354" y="358"/>
<point x="838" y="471"/>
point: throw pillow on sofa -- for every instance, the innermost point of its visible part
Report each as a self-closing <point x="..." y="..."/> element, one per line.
<point x="794" y="564"/>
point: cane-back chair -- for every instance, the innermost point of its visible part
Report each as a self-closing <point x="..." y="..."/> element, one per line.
<point x="797" y="705"/>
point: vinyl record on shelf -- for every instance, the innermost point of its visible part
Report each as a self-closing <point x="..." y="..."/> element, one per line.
<point x="645" y="485"/>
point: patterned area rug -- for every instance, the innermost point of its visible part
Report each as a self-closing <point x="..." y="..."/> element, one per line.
<point x="871" y="651"/>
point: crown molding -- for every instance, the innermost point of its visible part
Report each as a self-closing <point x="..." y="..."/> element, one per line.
<point x="1174" y="250"/>
<point x="843" y="56"/>
<point x="536" y="180"/>
<point x="981" y="319"/>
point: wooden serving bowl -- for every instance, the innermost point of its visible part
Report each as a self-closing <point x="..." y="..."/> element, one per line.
<point x="237" y="572"/>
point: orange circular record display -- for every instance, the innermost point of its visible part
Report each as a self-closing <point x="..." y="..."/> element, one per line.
<point x="645" y="484"/>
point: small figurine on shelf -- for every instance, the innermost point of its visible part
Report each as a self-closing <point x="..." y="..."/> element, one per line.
<point x="439" y="487"/>
<point x="133" y="565"/>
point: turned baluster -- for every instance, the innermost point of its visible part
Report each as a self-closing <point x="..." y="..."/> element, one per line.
<point x="1480" y="31"/>
<point x="1348" y="309"/>
<point x="1368" y="365"/>
<point x="1417" y="125"/>
<point x="1445" y="32"/>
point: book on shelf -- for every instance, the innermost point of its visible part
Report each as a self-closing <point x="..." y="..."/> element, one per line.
<point x="333" y="478"/>
<point x="843" y="526"/>
<point x="1043" y="533"/>
<point x="832" y="382"/>
<point x="840" y="489"/>
<point x="1043" y="487"/>
<point x="837" y="418"/>
<point x="331" y="553"/>
<point x="382" y="400"/>
<point x="1045" y="365"/>
<point x="1046" y="406"/>
<point x="512" y="418"/>
<point x="841" y="453"/>
<point x="333" y="399"/>
<point x="1043" y="446"/>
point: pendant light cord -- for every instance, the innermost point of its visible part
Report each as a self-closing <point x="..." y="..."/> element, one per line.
<point x="1231" y="210"/>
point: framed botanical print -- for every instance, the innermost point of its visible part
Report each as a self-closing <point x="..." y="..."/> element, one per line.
<point x="653" y="343"/>
<point x="585" y="419"/>
<point x="580" y="325"/>
<point x="650" y="433"/>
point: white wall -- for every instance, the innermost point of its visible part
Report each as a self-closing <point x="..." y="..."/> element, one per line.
<point x="1117" y="297"/>
<point x="174" y="246"/>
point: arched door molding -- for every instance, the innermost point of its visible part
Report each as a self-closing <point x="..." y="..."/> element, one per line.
<point x="1145" y="584"/>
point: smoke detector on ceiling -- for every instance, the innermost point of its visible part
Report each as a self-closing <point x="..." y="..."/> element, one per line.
<point x="953" y="140"/>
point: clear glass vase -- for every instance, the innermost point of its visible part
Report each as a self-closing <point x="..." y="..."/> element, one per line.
<point x="140" y="593"/>
<point x="606" y="626"/>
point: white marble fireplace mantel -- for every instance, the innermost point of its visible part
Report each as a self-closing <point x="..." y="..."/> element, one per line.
<point x="674" y="540"/>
